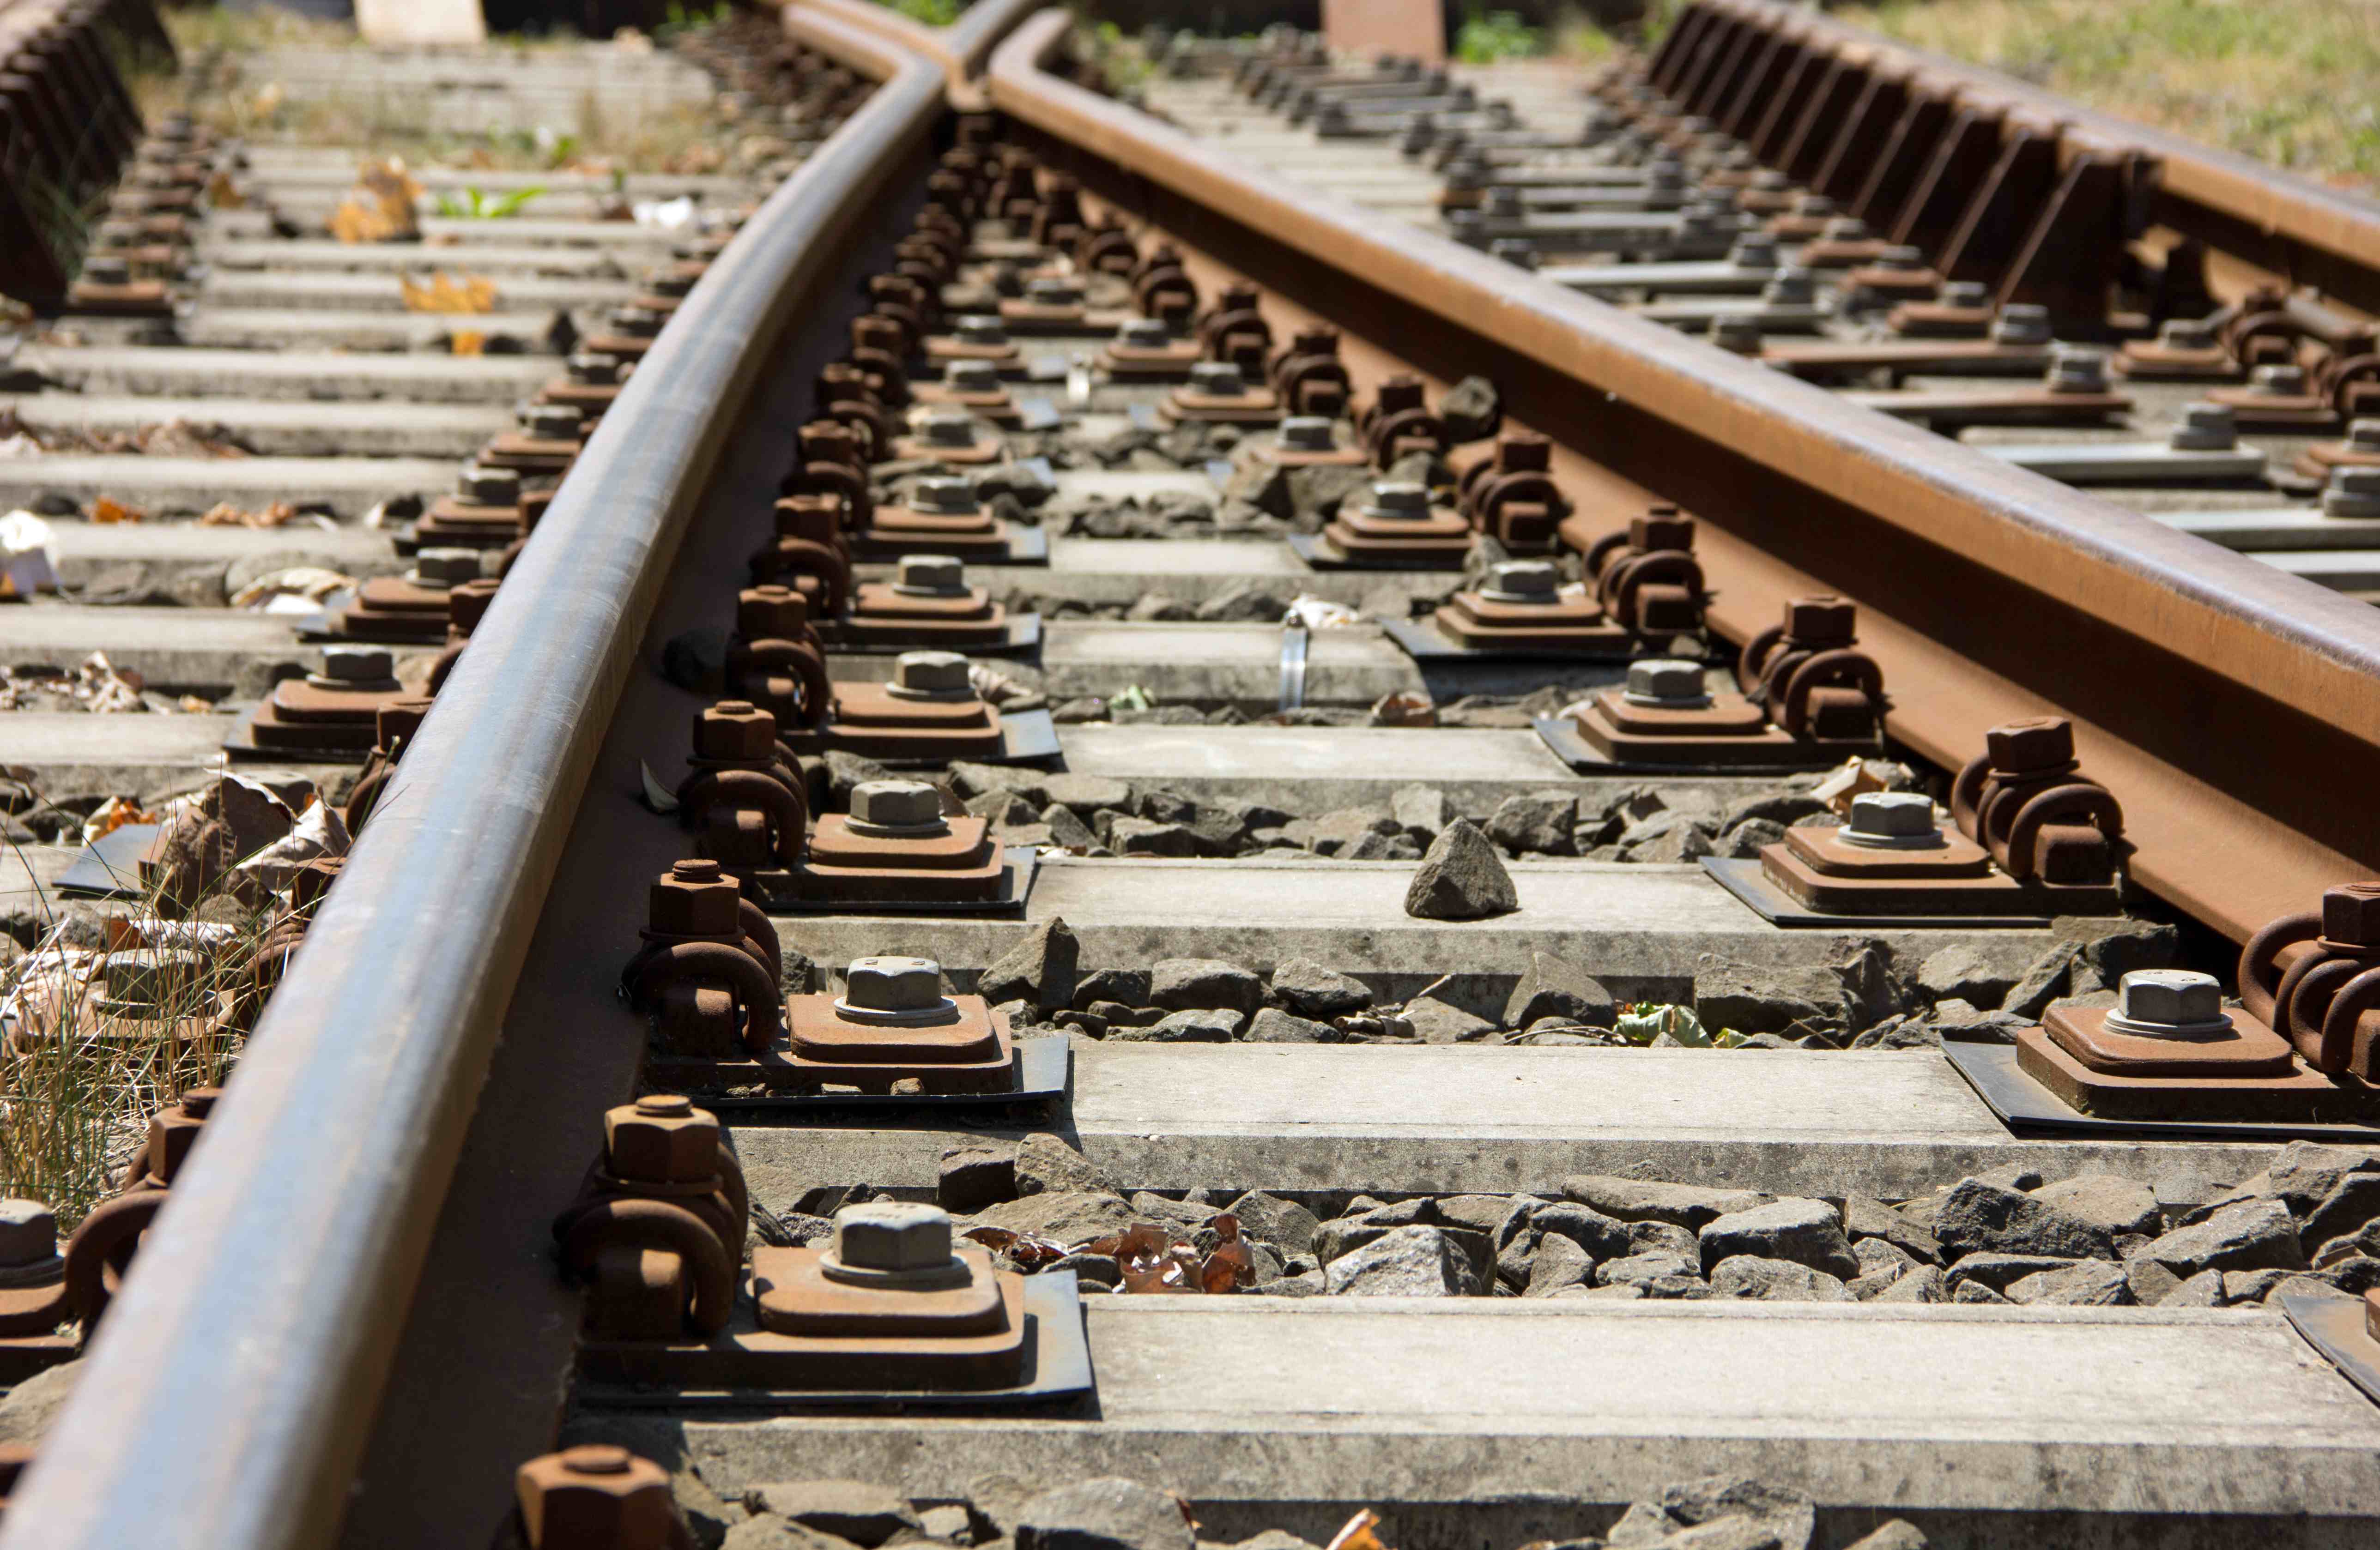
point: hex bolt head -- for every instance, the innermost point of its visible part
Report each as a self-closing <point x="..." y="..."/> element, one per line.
<point x="1901" y="259"/>
<point x="1820" y="622"/>
<point x="1753" y="250"/>
<point x="1307" y="433"/>
<point x="1738" y="333"/>
<point x="1665" y="681"/>
<point x="1504" y="200"/>
<point x="735" y="730"/>
<point x="29" y="1234"/>
<point x="488" y="487"/>
<point x="2038" y="745"/>
<point x="1534" y="581"/>
<point x="551" y="422"/>
<point x="894" y="984"/>
<point x="1401" y="497"/>
<point x="444" y="567"/>
<point x="1518" y="251"/>
<point x="2022" y="322"/>
<point x="107" y="269"/>
<point x="1053" y="290"/>
<point x="971" y="376"/>
<point x="466" y="602"/>
<point x="2363" y="435"/>
<point x="1891" y="815"/>
<point x="770" y="613"/>
<point x="357" y="664"/>
<point x="892" y="1235"/>
<point x="1216" y="379"/>
<point x="979" y="330"/>
<point x="2352" y="492"/>
<point x="1768" y="180"/>
<point x="660" y="1139"/>
<point x="1142" y="333"/>
<point x="637" y="323"/>
<point x="1812" y="204"/>
<point x="594" y="1497"/>
<point x="1844" y="228"/>
<point x="2351" y="914"/>
<point x="694" y="899"/>
<point x="932" y="575"/>
<point x="2284" y="378"/>
<point x="2204" y="428"/>
<point x="2170" y="999"/>
<point x="174" y="1131"/>
<point x="594" y="369"/>
<point x="931" y="673"/>
<point x="398" y="721"/>
<point x="156" y="981"/>
<point x="896" y="805"/>
<point x="1966" y="293"/>
<point x="2075" y="369"/>
<point x="2187" y="334"/>
<point x="946" y="495"/>
<point x="947" y="427"/>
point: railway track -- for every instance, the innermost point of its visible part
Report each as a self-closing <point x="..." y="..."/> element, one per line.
<point x="1099" y="704"/>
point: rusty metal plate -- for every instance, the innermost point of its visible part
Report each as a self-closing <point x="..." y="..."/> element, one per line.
<point x="1043" y="1069"/>
<point x="240" y="743"/>
<point x="1423" y="641"/>
<point x="2028" y="1108"/>
<point x="1561" y="735"/>
<point x="777" y="888"/>
<point x="1745" y="879"/>
<point x="1057" y="1370"/>
<point x="1025" y="737"/>
<point x="1319" y="554"/>
<point x="1019" y="633"/>
<point x="2336" y="1328"/>
<point x="1019" y="544"/>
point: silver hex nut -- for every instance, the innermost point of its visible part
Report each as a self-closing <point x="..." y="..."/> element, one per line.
<point x="29" y="1232"/>
<point x="931" y="673"/>
<point x="895" y="803"/>
<point x="1666" y="680"/>
<point x="888" y="984"/>
<point x="892" y="1235"/>
<point x="1892" y="814"/>
<point x="2170" y="999"/>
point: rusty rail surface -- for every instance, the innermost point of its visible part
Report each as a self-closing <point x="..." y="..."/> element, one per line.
<point x="960" y="49"/>
<point x="225" y="1405"/>
<point x="2229" y="702"/>
<point x="2288" y="225"/>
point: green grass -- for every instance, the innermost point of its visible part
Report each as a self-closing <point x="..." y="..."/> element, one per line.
<point x="933" y="13"/>
<point x="1487" y="36"/>
<point x="2287" y="81"/>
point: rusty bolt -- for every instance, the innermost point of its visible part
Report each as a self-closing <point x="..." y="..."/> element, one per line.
<point x="2022" y="322"/>
<point x="895" y="805"/>
<point x="973" y="330"/>
<point x="2038" y="745"/>
<point x="971" y="376"/>
<point x="1399" y="498"/>
<point x="2208" y="427"/>
<point x="1522" y="581"/>
<point x="150" y="980"/>
<point x="1667" y="681"/>
<point x="660" y="1139"/>
<point x="931" y="575"/>
<point x="2167" y="1001"/>
<point x="396" y="721"/>
<point x="917" y="674"/>
<point x="770" y="613"/>
<point x="2351" y="914"/>
<point x="1819" y="621"/>
<point x="1889" y="817"/>
<point x="174" y="1131"/>
<point x="1142" y="333"/>
<point x="355" y="667"/>
<point x="1216" y="379"/>
<point x="734" y="729"/>
<point x="28" y="1235"/>
<point x="893" y="985"/>
<point x="443" y="567"/>
<point x="2075" y="369"/>
<point x="945" y="495"/>
<point x="893" y="1235"/>
<point x="594" y="369"/>
<point x="694" y="899"/>
<point x="1661" y="530"/>
<point x="1307" y="433"/>
<point x="467" y="603"/>
<point x="947" y="428"/>
<point x="488" y="487"/>
<point x="594" y="1497"/>
<point x="2352" y="493"/>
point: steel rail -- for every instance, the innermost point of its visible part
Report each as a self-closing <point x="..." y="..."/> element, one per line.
<point x="2228" y="704"/>
<point x="2288" y="225"/>
<point x="226" y="1397"/>
<point x="960" y="49"/>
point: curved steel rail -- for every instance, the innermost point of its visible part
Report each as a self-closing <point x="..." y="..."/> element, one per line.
<point x="2229" y="703"/>
<point x="225" y="1400"/>
<point x="960" y="49"/>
